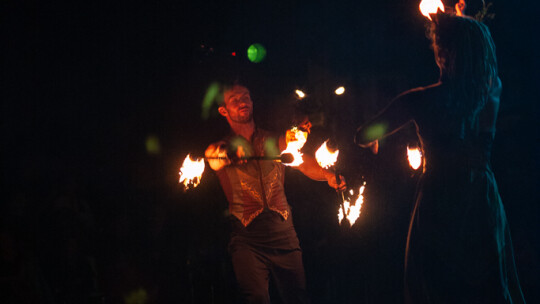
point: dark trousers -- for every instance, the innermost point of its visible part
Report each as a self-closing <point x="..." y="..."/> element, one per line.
<point x="254" y="266"/>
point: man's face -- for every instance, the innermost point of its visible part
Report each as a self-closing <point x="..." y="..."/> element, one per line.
<point x="238" y="106"/>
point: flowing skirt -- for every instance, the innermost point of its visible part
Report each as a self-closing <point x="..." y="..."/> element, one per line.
<point x="459" y="248"/>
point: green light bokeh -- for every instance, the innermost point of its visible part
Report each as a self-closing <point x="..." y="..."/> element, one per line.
<point x="152" y="145"/>
<point x="212" y="96"/>
<point x="256" y="53"/>
<point x="139" y="296"/>
<point x="239" y="141"/>
<point x="270" y="146"/>
<point x="375" y="131"/>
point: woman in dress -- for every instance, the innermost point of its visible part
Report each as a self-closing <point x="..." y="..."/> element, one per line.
<point x="458" y="246"/>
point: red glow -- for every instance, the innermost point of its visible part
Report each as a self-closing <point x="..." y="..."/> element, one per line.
<point x="233" y="53"/>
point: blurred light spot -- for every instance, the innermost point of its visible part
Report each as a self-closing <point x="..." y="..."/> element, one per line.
<point x="300" y="94"/>
<point x="340" y="90"/>
<point x="233" y="54"/>
<point x="240" y="146"/>
<point x="152" y="145"/>
<point x="139" y="296"/>
<point x="212" y="96"/>
<point x="256" y="53"/>
<point x="375" y="132"/>
<point x="270" y="147"/>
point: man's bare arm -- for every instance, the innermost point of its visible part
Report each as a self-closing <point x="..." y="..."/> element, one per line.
<point x="311" y="169"/>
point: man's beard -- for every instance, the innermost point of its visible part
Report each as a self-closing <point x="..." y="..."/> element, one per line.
<point x="242" y="119"/>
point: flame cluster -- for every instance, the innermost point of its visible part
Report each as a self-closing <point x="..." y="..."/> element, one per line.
<point x="191" y="172"/>
<point x="325" y="157"/>
<point x="428" y="7"/>
<point x="295" y="139"/>
<point x="352" y="211"/>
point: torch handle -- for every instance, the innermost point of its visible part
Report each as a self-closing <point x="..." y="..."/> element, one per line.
<point x="338" y="181"/>
<point x="247" y="158"/>
<point x="340" y="193"/>
<point x="278" y="158"/>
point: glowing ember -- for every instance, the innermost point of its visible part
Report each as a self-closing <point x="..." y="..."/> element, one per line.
<point x="325" y="157"/>
<point x="352" y="212"/>
<point x="415" y="157"/>
<point x="191" y="172"/>
<point x="430" y="7"/>
<point x="295" y="139"/>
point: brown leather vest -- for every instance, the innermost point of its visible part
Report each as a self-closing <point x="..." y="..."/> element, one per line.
<point x="257" y="184"/>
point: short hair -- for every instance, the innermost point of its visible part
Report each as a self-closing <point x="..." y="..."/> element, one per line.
<point x="227" y="88"/>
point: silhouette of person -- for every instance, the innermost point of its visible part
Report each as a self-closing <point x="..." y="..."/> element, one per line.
<point x="459" y="248"/>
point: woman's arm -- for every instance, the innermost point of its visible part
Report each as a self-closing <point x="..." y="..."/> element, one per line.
<point x="488" y="115"/>
<point x="390" y="120"/>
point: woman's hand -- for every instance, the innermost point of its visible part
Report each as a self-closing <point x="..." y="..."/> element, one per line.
<point x="373" y="146"/>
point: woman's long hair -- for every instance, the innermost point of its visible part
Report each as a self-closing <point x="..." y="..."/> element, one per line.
<point x="465" y="53"/>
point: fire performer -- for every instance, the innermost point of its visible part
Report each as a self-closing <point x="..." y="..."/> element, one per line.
<point x="263" y="242"/>
<point x="459" y="248"/>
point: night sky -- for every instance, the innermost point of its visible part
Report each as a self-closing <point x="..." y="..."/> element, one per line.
<point x="98" y="215"/>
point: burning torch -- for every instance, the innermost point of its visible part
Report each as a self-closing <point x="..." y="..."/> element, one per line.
<point x="327" y="158"/>
<point x="193" y="167"/>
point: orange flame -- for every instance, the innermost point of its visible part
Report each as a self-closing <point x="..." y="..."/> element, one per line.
<point x="191" y="172"/>
<point x="325" y="157"/>
<point x="428" y="7"/>
<point x="295" y="139"/>
<point x="415" y="157"/>
<point x="352" y="212"/>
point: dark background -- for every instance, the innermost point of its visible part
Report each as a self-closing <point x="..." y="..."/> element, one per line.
<point x="91" y="214"/>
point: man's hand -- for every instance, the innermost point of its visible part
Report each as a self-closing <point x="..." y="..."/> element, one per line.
<point x="216" y="155"/>
<point x="333" y="182"/>
<point x="301" y="120"/>
<point x="311" y="169"/>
